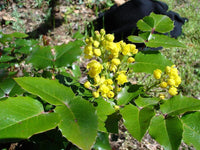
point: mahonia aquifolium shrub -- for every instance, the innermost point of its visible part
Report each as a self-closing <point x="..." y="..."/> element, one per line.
<point x="108" y="66"/>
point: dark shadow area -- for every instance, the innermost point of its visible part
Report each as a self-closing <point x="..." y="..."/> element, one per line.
<point x="50" y="23"/>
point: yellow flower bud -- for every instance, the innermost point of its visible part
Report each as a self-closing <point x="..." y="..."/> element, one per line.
<point x="87" y="84"/>
<point x="109" y="82"/>
<point x="97" y="52"/>
<point x="177" y="81"/>
<point x="113" y="68"/>
<point x="116" y="107"/>
<point x="172" y="91"/>
<point x="157" y="73"/>
<point x="110" y="37"/>
<point x="102" y="32"/>
<point x="115" y="61"/>
<point x="171" y="82"/>
<point x="95" y="94"/>
<point x="96" y="44"/>
<point x="131" y="60"/>
<point x="110" y="94"/>
<point x="121" y="79"/>
<point x="163" y="84"/>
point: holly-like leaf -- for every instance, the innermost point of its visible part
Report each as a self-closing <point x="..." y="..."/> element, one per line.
<point x="104" y="109"/>
<point x="79" y="122"/>
<point x="10" y="88"/>
<point x="135" y="39"/>
<point x="144" y="102"/>
<point x="159" y="40"/>
<point x="102" y="142"/>
<point x="5" y="58"/>
<point x="146" y="24"/>
<point x="162" y="23"/>
<point x="136" y="121"/>
<point x="49" y="90"/>
<point x="66" y="54"/>
<point x="149" y="61"/>
<point x="167" y="132"/>
<point x="128" y="93"/>
<point x="41" y="57"/>
<point x="21" y="117"/>
<point x="180" y="104"/>
<point x="191" y="129"/>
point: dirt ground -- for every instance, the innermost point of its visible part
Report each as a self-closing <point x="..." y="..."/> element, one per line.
<point x="59" y="21"/>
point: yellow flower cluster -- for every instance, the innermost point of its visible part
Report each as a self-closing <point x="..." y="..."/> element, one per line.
<point x="169" y="79"/>
<point x="108" y="63"/>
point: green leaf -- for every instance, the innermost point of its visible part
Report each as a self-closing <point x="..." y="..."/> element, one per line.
<point x="159" y="40"/>
<point x="167" y="132"/>
<point x="41" y="57"/>
<point x="104" y="109"/>
<point x="149" y="61"/>
<point x="135" y="39"/>
<point x="76" y="71"/>
<point x="128" y="93"/>
<point x="162" y="23"/>
<point x="146" y="24"/>
<point x="144" y="102"/>
<point x="49" y="90"/>
<point x="191" y="129"/>
<point x="78" y="35"/>
<point x="102" y="142"/>
<point x="10" y="88"/>
<point x="21" y="117"/>
<point x="180" y="104"/>
<point x="18" y="35"/>
<point x="79" y="122"/>
<point x="66" y="54"/>
<point x="136" y="121"/>
<point x="112" y="121"/>
<point x="5" y="58"/>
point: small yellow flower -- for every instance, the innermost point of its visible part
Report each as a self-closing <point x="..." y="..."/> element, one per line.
<point x="110" y="94"/>
<point x="109" y="81"/>
<point x="171" y="82"/>
<point x="163" y="84"/>
<point x="157" y="73"/>
<point x="126" y="49"/>
<point x="113" y="68"/>
<point x="110" y="37"/>
<point x="102" y="32"/>
<point x="115" y="61"/>
<point x="104" y="89"/>
<point x="95" y="94"/>
<point x="172" y="91"/>
<point x="97" y="52"/>
<point x="96" y="44"/>
<point x="94" y="68"/>
<point x="87" y="84"/>
<point x="121" y="79"/>
<point x="131" y="60"/>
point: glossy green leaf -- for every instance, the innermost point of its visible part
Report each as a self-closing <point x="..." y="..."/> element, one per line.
<point x="146" y="24"/>
<point x="136" y="121"/>
<point x="149" y="61"/>
<point x="5" y="58"/>
<point x="104" y="109"/>
<point x="102" y="142"/>
<point x="144" y="102"/>
<point x="66" y="54"/>
<point x="128" y="93"/>
<point x="21" y="117"/>
<point x="41" y="57"/>
<point x="162" y="23"/>
<point x="135" y="39"/>
<point x="10" y="88"/>
<point x="159" y="40"/>
<point x="79" y="122"/>
<point x="167" y="132"/>
<point x="49" y="90"/>
<point x="76" y="71"/>
<point x="180" y="104"/>
<point x="191" y="129"/>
